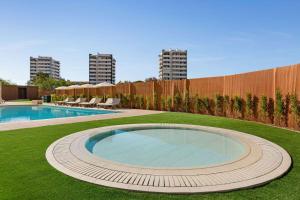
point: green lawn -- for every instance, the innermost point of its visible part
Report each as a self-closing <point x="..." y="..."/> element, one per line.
<point x="25" y="173"/>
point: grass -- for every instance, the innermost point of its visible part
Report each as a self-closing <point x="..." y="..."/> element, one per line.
<point x="25" y="173"/>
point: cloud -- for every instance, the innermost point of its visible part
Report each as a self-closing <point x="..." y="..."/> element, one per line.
<point x="21" y="45"/>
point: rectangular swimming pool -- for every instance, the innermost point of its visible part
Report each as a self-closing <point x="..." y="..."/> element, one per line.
<point x="28" y="113"/>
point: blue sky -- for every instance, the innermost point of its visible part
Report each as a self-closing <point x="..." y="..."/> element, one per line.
<point x="222" y="37"/>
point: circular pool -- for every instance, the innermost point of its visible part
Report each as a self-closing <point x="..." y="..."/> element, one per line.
<point x="169" y="158"/>
<point x="166" y="147"/>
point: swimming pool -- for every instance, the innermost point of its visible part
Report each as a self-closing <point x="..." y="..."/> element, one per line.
<point x="28" y="113"/>
<point x="165" y="147"/>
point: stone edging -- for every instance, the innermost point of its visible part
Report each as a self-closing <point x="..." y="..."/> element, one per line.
<point x="262" y="162"/>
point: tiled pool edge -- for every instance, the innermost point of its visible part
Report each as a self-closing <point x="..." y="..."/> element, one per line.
<point x="68" y="156"/>
<point x="119" y="113"/>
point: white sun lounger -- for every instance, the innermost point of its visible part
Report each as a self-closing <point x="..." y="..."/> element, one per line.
<point x="79" y="100"/>
<point x="92" y="102"/>
<point x="68" y="99"/>
<point x="110" y="102"/>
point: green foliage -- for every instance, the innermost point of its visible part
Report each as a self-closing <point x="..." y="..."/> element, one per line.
<point x="186" y="103"/>
<point x="141" y="102"/>
<point x="84" y="96"/>
<point x="177" y="102"/>
<point x="5" y="82"/>
<point x="219" y="104"/>
<point x="279" y="105"/>
<point x="136" y="101"/>
<point x="124" y="100"/>
<point x="238" y="104"/>
<point x="271" y="110"/>
<point x="226" y="104"/>
<point x="255" y="102"/>
<point x="44" y="82"/>
<point x="155" y="101"/>
<point x="169" y="103"/>
<point x="249" y="105"/>
<point x="163" y="103"/>
<point x="148" y="103"/>
<point x="295" y="108"/>
<point x="264" y="106"/>
<point x="198" y="105"/>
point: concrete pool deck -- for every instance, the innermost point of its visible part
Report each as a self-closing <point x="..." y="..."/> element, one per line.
<point x="263" y="162"/>
<point x="68" y="120"/>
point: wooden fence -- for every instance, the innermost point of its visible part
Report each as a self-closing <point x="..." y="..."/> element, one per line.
<point x="258" y="83"/>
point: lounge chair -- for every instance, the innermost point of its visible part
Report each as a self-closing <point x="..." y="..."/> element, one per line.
<point x="1" y="101"/>
<point x="110" y="102"/>
<point x="92" y="102"/>
<point x="78" y="101"/>
<point x="68" y="99"/>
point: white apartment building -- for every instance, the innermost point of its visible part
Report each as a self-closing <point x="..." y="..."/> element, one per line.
<point x="46" y="65"/>
<point x="173" y="64"/>
<point x="102" y="68"/>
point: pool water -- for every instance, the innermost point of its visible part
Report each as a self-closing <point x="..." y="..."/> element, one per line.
<point x="165" y="147"/>
<point x="27" y="113"/>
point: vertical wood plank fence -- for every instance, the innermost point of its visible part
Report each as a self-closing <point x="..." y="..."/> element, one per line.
<point x="258" y="83"/>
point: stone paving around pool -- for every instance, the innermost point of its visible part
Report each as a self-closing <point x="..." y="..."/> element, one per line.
<point x="45" y="122"/>
<point x="263" y="162"/>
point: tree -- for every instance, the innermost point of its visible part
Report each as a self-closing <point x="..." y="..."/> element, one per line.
<point x="150" y="79"/>
<point x="5" y="82"/>
<point x="44" y="82"/>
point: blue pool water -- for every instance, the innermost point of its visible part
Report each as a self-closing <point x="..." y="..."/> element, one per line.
<point x="27" y="113"/>
<point x="165" y="147"/>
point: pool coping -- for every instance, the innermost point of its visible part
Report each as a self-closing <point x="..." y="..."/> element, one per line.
<point x="264" y="162"/>
<point x="117" y="113"/>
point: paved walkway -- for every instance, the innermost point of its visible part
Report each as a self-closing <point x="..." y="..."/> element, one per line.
<point x="262" y="162"/>
<point x="68" y="120"/>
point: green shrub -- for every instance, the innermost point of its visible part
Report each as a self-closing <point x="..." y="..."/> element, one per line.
<point x="279" y="106"/>
<point x="238" y="105"/>
<point x="169" y="103"/>
<point x="163" y="103"/>
<point x="155" y="101"/>
<point x="177" y="102"/>
<point x="264" y="106"/>
<point x="186" y="103"/>
<point x="295" y="108"/>
<point x="141" y="102"/>
<point x="148" y="103"/>
<point x="271" y="110"/>
<point x="249" y="105"/>
<point x="219" y="104"/>
<point x="255" y="102"/>
<point x="124" y="101"/>
<point x="226" y="104"/>
<point x="198" y="105"/>
<point x="136" y="101"/>
<point x="209" y="105"/>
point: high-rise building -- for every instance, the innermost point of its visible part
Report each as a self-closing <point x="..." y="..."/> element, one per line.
<point x="173" y="64"/>
<point x="102" y="68"/>
<point x="46" y="65"/>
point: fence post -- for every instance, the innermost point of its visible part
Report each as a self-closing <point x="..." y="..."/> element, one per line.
<point x="130" y="94"/>
<point x="172" y="92"/>
<point x="274" y="83"/>
<point x="153" y="93"/>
